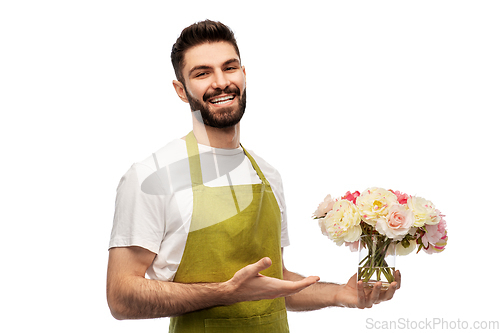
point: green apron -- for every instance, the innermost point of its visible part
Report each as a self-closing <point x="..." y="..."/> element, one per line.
<point x="231" y="227"/>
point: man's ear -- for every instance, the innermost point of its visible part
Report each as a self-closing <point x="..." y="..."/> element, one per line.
<point x="180" y="90"/>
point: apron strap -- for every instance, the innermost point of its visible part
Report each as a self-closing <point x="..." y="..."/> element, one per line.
<point x="256" y="167"/>
<point x="194" y="159"/>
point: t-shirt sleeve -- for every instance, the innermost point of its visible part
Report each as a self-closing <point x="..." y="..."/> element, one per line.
<point x="139" y="218"/>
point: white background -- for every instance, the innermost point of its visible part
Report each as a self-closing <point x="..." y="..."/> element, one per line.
<point x="342" y="95"/>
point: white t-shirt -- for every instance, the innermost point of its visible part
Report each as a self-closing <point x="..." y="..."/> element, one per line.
<point x="154" y="200"/>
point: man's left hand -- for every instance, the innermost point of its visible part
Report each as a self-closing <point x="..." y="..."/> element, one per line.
<point x="354" y="295"/>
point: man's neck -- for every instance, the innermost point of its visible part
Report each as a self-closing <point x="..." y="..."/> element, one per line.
<point x="227" y="138"/>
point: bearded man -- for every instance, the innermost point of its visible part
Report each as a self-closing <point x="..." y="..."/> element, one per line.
<point x="206" y="219"/>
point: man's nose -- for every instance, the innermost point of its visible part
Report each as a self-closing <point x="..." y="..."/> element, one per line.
<point x="220" y="80"/>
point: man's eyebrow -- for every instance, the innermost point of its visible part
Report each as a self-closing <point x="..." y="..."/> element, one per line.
<point x="195" y="68"/>
<point x="227" y="62"/>
<point x="204" y="67"/>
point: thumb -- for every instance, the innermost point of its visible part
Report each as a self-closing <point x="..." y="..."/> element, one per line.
<point x="252" y="270"/>
<point x="260" y="265"/>
<point x="263" y="264"/>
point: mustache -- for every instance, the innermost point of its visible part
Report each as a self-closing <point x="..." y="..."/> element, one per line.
<point x="219" y="91"/>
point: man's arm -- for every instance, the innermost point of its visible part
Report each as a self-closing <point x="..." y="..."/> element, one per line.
<point x="131" y="296"/>
<point x="323" y="294"/>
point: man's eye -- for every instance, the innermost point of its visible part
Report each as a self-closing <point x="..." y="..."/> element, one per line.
<point x="200" y="74"/>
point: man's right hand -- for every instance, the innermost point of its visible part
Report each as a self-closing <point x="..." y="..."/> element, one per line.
<point x="248" y="284"/>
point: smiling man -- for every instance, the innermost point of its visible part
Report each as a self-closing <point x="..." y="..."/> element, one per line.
<point x="206" y="219"/>
<point x="210" y="83"/>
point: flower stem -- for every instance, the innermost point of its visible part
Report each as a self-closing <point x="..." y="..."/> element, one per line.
<point x="374" y="261"/>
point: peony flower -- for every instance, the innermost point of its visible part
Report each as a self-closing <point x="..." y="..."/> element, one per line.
<point x="351" y="196"/>
<point x="353" y="246"/>
<point x="324" y="207"/>
<point x="434" y="233"/>
<point x="424" y="210"/>
<point x="402" y="197"/>
<point x="439" y="246"/>
<point x="342" y="222"/>
<point x="374" y="203"/>
<point x="322" y="226"/>
<point x="397" y="223"/>
<point x="403" y="251"/>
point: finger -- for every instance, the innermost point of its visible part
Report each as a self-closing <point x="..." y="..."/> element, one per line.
<point x="352" y="280"/>
<point x="288" y="288"/>
<point x="398" y="279"/>
<point x="252" y="270"/>
<point x="306" y="282"/>
<point x="390" y="292"/>
<point x="375" y="294"/>
<point x="262" y="264"/>
<point x="361" y="295"/>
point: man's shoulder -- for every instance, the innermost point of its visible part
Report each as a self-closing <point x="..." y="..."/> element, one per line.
<point x="259" y="159"/>
<point x="171" y="152"/>
<point x="267" y="168"/>
<point x="151" y="173"/>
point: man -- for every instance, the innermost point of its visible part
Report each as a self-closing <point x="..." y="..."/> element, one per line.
<point x="206" y="219"/>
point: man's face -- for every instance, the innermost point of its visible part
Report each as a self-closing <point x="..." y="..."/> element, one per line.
<point x="215" y="83"/>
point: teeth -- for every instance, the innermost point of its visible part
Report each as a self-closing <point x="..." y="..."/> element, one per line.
<point x="222" y="99"/>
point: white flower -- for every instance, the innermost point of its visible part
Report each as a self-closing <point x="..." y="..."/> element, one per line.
<point x="342" y="222"/>
<point x="403" y="251"/>
<point x="322" y="226"/>
<point x="424" y="210"/>
<point x="374" y="203"/>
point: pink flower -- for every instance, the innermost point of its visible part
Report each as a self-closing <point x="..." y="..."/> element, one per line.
<point x="402" y="197"/>
<point x="351" y="196"/>
<point x="397" y="223"/>
<point x="435" y="233"/>
<point x="439" y="246"/>
<point x="353" y="246"/>
<point x="324" y="207"/>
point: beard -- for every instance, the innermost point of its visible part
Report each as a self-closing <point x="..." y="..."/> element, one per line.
<point x="223" y="117"/>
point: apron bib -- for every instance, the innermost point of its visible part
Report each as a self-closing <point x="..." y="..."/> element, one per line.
<point x="231" y="227"/>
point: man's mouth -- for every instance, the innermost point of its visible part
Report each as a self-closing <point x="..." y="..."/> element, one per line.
<point x="222" y="100"/>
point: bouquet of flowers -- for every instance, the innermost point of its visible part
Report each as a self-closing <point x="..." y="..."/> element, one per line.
<point x="379" y="221"/>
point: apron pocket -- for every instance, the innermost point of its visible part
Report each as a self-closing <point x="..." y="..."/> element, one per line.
<point x="271" y="323"/>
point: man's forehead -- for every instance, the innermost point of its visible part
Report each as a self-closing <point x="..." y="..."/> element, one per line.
<point x="209" y="54"/>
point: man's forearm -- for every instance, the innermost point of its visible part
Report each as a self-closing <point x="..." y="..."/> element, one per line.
<point x="318" y="296"/>
<point x="140" y="298"/>
<point x="132" y="296"/>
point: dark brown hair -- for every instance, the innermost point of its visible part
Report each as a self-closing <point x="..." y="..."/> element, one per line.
<point x="198" y="33"/>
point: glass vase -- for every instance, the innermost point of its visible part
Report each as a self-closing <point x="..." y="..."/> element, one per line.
<point x="377" y="260"/>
